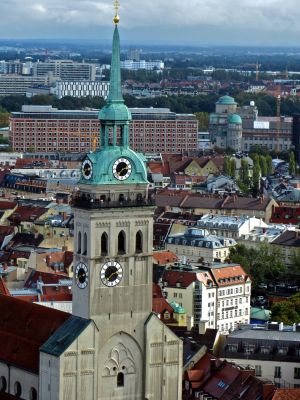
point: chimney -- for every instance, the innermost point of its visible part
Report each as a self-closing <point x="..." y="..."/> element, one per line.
<point x="213" y="365"/>
<point x="268" y="390"/>
<point x="202" y="327"/>
<point x="189" y="322"/>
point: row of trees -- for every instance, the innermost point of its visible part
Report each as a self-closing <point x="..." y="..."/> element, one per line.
<point x="180" y="104"/>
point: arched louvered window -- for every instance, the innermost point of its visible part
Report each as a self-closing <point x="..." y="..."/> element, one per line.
<point x="84" y="244"/>
<point x="139" y="242"/>
<point x="79" y="243"/>
<point x="104" y="244"/>
<point x="122" y="243"/>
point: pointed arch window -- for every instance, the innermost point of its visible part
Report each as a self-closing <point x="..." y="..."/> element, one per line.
<point x="120" y="379"/>
<point x="84" y="244"/>
<point x="139" y="242"/>
<point x="122" y="243"/>
<point x="79" y="243"/>
<point x="104" y="244"/>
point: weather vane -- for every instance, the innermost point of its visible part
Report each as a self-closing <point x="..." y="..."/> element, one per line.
<point x="116" y="7"/>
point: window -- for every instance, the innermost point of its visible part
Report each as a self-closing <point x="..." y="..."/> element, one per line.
<point x="296" y="373"/>
<point x="277" y="372"/>
<point x="79" y="243"/>
<point x="121" y="243"/>
<point x="104" y="244"/>
<point x="120" y="379"/>
<point x="139" y="242"/>
<point x="33" y="394"/>
<point x="257" y="370"/>
<point x="18" y="389"/>
<point x="84" y="244"/>
<point x="3" y="384"/>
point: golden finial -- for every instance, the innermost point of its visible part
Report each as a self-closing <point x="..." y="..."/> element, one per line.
<point x="116" y="17"/>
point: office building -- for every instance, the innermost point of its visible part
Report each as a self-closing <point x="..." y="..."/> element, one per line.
<point x="81" y="89"/>
<point x="66" y="70"/>
<point x="150" y="130"/>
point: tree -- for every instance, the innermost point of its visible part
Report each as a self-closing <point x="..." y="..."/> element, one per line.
<point x="264" y="262"/>
<point x="256" y="178"/>
<point x="292" y="163"/>
<point x="203" y="121"/>
<point x="244" y="173"/>
<point x="263" y="165"/>
<point x="232" y="167"/>
<point x="287" y="311"/>
<point x="226" y="166"/>
<point x="269" y="164"/>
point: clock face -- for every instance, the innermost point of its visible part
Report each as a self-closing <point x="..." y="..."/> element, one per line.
<point x="87" y="169"/>
<point x="111" y="273"/>
<point x="122" y="169"/>
<point x="81" y="275"/>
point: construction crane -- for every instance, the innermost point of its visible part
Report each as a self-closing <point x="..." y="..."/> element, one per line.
<point x="278" y="104"/>
<point x="92" y="136"/>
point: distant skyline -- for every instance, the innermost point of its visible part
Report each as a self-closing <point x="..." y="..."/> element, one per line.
<point x="192" y="22"/>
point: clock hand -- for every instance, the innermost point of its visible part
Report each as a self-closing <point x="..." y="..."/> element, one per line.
<point x="111" y="275"/>
<point x="123" y="169"/>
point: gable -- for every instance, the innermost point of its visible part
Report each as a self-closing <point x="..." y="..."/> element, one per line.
<point x="193" y="169"/>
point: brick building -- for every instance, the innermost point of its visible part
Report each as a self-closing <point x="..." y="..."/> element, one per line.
<point x="45" y="129"/>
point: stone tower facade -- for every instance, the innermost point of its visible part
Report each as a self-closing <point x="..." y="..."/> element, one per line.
<point x="136" y="356"/>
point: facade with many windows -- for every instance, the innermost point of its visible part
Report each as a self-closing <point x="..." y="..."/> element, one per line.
<point x="272" y="349"/>
<point x="50" y="130"/>
<point x="218" y="294"/>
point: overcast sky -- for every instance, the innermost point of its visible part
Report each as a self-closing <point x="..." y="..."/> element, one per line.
<point x="257" y="22"/>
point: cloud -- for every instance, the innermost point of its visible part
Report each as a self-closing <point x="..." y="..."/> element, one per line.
<point x="65" y="17"/>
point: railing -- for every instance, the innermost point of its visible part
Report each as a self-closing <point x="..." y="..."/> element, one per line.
<point x="98" y="204"/>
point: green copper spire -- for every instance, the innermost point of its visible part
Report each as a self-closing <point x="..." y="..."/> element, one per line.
<point x="115" y="91"/>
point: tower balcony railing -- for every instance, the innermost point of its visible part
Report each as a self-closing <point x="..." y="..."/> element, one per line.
<point x="83" y="202"/>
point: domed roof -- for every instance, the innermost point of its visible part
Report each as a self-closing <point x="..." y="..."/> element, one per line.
<point x="177" y="308"/>
<point x="115" y="112"/>
<point x="234" y="119"/>
<point x="226" y="100"/>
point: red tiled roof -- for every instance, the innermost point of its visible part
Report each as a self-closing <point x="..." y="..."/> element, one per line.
<point x="24" y="327"/>
<point x="6" y="230"/>
<point x="287" y="394"/>
<point x="7" y="205"/>
<point x="26" y="213"/>
<point x="220" y="274"/>
<point x="159" y="303"/>
<point x="46" y="277"/>
<point x="3" y="288"/>
<point x="164" y="257"/>
<point x="182" y="277"/>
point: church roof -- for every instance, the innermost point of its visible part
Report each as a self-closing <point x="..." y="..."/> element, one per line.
<point x="24" y="327"/>
<point x="65" y="335"/>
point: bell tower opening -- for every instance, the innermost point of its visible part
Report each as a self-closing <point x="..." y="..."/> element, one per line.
<point x="139" y="242"/>
<point x="122" y="243"/>
<point x="104" y="244"/>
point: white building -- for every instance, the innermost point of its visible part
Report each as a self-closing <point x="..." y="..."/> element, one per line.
<point x="272" y="349"/>
<point x="199" y="245"/>
<point x="231" y="227"/>
<point x="142" y="64"/>
<point x="9" y="159"/>
<point x="81" y="89"/>
<point x="219" y="294"/>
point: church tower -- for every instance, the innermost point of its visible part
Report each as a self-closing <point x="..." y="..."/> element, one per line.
<point x="112" y="283"/>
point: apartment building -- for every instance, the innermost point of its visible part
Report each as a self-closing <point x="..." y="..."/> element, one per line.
<point x="152" y="130"/>
<point x="272" y="349"/>
<point x="18" y="84"/>
<point x="218" y="294"/>
<point x="198" y="245"/>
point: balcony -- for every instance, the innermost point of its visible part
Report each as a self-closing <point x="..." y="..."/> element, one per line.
<point x="83" y="202"/>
